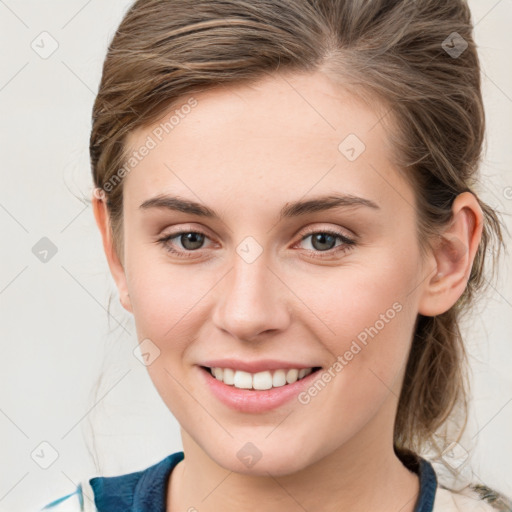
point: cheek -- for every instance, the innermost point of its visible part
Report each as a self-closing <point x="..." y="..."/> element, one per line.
<point x="166" y="303"/>
<point x="164" y="295"/>
<point x="365" y="313"/>
<point x="372" y="315"/>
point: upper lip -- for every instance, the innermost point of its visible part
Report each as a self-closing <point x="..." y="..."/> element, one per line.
<point x="255" y="366"/>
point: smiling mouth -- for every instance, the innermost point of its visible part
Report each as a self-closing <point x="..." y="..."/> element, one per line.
<point x="268" y="379"/>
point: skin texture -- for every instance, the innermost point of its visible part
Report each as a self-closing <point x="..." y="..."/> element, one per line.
<point x="246" y="151"/>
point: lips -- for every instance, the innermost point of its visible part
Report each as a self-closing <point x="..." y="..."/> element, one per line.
<point x="252" y="400"/>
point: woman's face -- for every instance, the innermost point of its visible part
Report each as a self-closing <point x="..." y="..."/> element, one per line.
<point x="306" y="288"/>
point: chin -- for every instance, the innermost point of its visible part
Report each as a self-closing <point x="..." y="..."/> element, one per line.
<point x="257" y="460"/>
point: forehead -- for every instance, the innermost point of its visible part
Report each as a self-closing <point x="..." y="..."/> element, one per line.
<point x="280" y="137"/>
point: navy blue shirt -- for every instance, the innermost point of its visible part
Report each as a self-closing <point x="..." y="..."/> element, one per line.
<point x="146" y="490"/>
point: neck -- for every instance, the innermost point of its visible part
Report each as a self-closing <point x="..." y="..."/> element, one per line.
<point x="362" y="475"/>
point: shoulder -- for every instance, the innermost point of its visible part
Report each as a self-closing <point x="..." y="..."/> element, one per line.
<point x="145" y="488"/>
<point x="473" y="498"/>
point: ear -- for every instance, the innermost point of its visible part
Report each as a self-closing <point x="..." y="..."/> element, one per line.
<point x="116" y="267"/>
<point x="453" y="257"/>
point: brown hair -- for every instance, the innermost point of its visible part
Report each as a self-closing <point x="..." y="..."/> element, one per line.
<point x="391" y="51"/>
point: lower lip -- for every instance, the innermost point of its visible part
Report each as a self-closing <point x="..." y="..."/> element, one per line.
<point x="254" y="401"/>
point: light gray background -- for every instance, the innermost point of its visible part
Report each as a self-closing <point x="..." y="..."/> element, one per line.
<point x="55" y="333"/>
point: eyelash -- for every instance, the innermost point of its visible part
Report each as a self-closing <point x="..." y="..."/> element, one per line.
<point x="348" y="243"/>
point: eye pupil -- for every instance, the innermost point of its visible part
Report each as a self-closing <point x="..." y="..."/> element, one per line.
<point x="321" y="238"/>
<point x="192" y="238"/>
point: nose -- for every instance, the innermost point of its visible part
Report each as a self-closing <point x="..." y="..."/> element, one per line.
<point x="252" y="301"/>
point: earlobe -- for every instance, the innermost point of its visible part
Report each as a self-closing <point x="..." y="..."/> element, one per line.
<point x="116" y="268"/>
<point x="125" y="302"/>
<point x="454" y="253"/>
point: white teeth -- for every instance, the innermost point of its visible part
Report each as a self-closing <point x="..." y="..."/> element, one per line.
<point x="261" y="380"/>
<point x="243" y="380"/>
<point x="228" y="376"/>
<point x="279" y="378"/>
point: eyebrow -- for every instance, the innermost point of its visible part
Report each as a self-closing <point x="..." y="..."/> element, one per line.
<point x="291" y="209"/>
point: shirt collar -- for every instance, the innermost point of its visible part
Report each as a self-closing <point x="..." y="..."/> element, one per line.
<point x="427" y="476"/>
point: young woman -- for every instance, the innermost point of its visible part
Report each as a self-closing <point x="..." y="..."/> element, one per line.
<point x="286" y="192"/>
